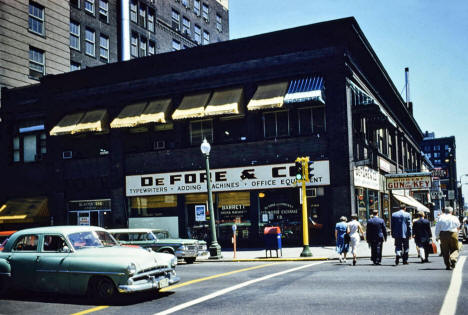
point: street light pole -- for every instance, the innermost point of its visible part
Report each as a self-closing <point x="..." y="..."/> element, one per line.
<point x="215" y="249"/>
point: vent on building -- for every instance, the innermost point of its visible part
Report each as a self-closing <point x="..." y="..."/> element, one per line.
<point x="159" y="144"/>
<point x="67" y="155"/>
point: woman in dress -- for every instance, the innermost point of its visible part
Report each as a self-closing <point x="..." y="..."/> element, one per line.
<point x="355" y="231"/>
<point x="342" y="245"/>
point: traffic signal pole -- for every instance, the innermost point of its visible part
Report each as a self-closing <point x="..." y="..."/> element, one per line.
<point x="303" y="178"/>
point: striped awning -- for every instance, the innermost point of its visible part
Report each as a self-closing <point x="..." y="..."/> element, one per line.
<point x="409" y="201"/>
<point x="224" y="102"/>
<point x="129" y="116"/>
<point x="268" y="96"/>
<point x="66" y="125"/>
<point x="305" y="90"/>
<point x="93" y="121"/>
<point x="192" y="106"/>
<point x="24" y="210"/>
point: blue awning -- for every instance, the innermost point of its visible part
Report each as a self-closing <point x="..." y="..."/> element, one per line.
<point x="305" y="90"/>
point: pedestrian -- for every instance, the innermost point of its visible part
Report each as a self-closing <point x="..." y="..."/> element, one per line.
<point x="376" y="234"/>
<point x="422" y="236"/>
<point x="342" y="239"/>
<point x="355" y="231"/>
<point x="401" y="232"/>
<point x="447" y="231"/>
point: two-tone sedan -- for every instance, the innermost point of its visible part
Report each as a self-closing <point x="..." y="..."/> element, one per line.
<point x="81" y="260"/>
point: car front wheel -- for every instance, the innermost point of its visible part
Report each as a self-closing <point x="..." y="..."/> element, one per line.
<point x="102" y="289"/>
<point x="190" y="260"/>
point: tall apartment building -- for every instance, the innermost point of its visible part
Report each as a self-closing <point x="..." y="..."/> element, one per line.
<point x="44" y="37"/>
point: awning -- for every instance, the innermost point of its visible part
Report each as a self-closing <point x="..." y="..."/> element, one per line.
<point x="129" y="116"/>
<point x="305" y="90"/>
<point x="155" y="112"/>
<point x="225" y="102"/>
<point x="268" y="96"/>
<point x="192" y="106"/>
<point x="67" y="124"/>
<point x="93" y="121"/>
<point x="409" y="201"/>
<point x="24" y="210"/>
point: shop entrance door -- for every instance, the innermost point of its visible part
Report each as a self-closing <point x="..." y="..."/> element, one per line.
<point x="95" y="218"/>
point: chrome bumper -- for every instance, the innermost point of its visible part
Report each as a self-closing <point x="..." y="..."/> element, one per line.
<point x="152" y="282"/>
<point x="186" y="253"/>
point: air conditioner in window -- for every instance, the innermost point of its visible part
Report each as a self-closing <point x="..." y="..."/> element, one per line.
<point x="205" y="19"/>
<point x="159" y="144"/>
<point x="67" y="155"/>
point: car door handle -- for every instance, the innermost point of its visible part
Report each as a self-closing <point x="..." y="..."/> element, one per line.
<point x="37" y="258"/>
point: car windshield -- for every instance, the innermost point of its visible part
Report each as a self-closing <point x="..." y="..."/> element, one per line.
<point x="88" y="239"/>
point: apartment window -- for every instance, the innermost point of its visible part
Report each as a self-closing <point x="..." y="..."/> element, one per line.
<point x="134" y="45"/>
<point x="197" y="32"/>
<point x="175" y="45"/>
<point x="438" y="161"/>
<point x="36" y="18"/>
<point x="133" y="11"/>
<point x="151" y="48"/>
<point x="75" y="35"/>
<point x="89" y="6"/>
<point x="104" y="48"/>
<point x="175" y="20"/>
<point x="219" y="23"/>
<point x="29" y="143"/>
<point x="151" y="20"/>
<point x="206" y="37"/>
<point x="276" y="124"/>
<point x="75" y="3"/>
<point x="311" y="120"/>
<point x="74" y="66"/>
<point x="437" y="148"/>
<point x="448" y="148"/>
<point x="36" y="63"/>
<point x="143" y="51"/>
<point x="205" y="12"/>
<point x="104" y="10"/>
<point x="90" y="42"/>
<point x="185" y="3"/>
<point x="196" y="7"/>
<point x="437" y="155"/>
<point x="200" y="130"/>
<point x="185" y="26"/>
<point x="142" y="15"/>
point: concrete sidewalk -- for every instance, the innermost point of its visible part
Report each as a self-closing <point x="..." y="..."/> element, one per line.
<point x="318" y="252"/>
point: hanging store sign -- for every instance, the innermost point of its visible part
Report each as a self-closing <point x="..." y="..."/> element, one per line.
<point x="409" y="181"/>
<point x="366" y="177"/>
<point x="229" y="179"/>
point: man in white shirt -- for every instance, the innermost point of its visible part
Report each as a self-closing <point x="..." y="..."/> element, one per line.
<point x="447" y="231"/>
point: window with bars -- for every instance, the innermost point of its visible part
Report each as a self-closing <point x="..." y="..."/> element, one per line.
<point x="200" y="130"/>
<point x="75" y="35"/>
<point x="276" y="124"/>
<point x="89" y="6"/>
<point x="197" y="34"/>
<point x="151" y="20"/>
<point x="219" y="23"/>
<point x="36" y="18"/>
<point x="90" y="42"/>
<point x="133" y="11"/>
<point x="134" y="45"/>
<point x="104" y="10"/>
<point x="36" y="63"/>
<point x="104" y="48"/>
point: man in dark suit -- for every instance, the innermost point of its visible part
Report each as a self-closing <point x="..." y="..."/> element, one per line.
<point x="376" y="234"/>
<point x="401" y="232"/>
<point x="422" y="235"/>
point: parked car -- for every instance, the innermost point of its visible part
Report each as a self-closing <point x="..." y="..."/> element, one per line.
<point x="80" y="260"/>
<point x="4" y="235"/>
<point x="186" y="249"/>
<point x="164" y="234"/>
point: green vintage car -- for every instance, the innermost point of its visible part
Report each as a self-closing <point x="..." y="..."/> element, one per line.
<point x="164" y="234"/>
<point x="186" y="249"/>
<point x="81" y="260"/>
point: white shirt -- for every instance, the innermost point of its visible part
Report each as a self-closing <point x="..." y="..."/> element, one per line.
<point x="353" y="227"/>
<point x="447" y="222"/>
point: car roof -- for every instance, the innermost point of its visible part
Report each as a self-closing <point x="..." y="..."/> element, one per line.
<point x="67" y="229"/>
<point x="137" y="230"/>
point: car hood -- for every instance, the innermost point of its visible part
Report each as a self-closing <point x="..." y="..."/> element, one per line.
<point x="185" y="241"/>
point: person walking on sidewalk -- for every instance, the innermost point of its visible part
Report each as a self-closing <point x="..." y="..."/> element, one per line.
<point x="355" y="231"/>
<point x="422" y="236"/>
<point x="376" y="234"/>
<point x="401" y="232"/>
<point x="447" y="230"/>
<point x="342" y="238"/>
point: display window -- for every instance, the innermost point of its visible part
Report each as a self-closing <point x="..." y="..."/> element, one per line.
<point x="154" y="206"/>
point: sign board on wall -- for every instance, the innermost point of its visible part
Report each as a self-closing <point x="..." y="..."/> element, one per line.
<point x="409" y="181"/>
<point x="229" y="179"/>
<point x="366" y="177"/>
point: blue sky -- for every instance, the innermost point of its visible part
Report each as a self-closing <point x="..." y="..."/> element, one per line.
<point x="428" y="36"/>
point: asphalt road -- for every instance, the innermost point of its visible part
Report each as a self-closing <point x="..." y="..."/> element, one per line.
<point x="326" y="287"/>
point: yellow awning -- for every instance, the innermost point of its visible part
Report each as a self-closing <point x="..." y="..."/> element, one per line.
<point x="268" y="96"/>
<point x="225" y="102"/>
<point x="24" y="210"/>
<point x="155" y="112"/>
<point x="192" y="106"/>
<point x="67" y="124"/>
<point x="93" y="121"/>
<point x="129" y="116"/>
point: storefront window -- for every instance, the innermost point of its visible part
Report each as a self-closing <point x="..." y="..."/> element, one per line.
<point x="153" y="206"/>
<point x="233" y="207"/>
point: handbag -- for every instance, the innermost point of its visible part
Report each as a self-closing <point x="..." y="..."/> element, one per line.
<point x="347" y="238"/>
<point x="432" y="247"/>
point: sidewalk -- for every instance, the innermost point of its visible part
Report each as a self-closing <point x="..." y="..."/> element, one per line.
<point x="318" y="252"/>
